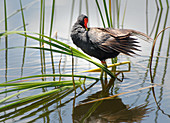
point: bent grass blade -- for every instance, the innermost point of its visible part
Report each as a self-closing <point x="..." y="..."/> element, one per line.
<point x="68" y="50"/>
<point x="112" y="65"/>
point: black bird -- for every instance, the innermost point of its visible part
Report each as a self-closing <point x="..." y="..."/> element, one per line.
<point x="104" y="43"/>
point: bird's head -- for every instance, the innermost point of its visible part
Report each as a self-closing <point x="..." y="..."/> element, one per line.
<point x="83" y="20"/>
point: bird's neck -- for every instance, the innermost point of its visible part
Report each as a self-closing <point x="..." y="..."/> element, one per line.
<point x="79" y="27"/>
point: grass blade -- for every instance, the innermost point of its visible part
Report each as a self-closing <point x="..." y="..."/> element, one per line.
<point x="52" y="75"/>
<point x="106" y="13"/>
<point x="6" y="98"/>
<point x="100" y="13"/>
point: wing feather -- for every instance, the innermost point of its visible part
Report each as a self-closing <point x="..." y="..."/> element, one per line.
<point x="110" y="40"/>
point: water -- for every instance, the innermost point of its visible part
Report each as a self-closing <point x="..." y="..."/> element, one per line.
<point x="133" y="106"/>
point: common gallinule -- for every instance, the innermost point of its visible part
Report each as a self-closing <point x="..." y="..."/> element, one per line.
<point x="104" y="43"/>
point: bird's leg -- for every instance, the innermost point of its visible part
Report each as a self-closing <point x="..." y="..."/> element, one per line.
<point x="102" y="82"/>
<point x="101" y="79"/>
<point x="104" y="63"/>
<point x="105" y="75"/>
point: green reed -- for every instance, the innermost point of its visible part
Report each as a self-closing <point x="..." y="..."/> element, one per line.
<point x="51" y="27"/>
<point x="25" y="43"/>
<point x="60" y="47"/>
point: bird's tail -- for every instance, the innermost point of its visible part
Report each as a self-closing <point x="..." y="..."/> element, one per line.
<point x="141" y="35"/>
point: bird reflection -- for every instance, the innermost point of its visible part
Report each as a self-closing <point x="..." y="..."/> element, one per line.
<point x="110" y="110"/>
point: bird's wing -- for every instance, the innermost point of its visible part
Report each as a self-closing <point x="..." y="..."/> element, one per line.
<point x="124" y="45"/>
<point x="118" y="33"/>
<point x="111" y="40"/>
